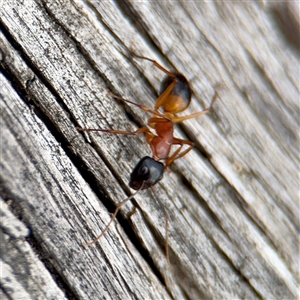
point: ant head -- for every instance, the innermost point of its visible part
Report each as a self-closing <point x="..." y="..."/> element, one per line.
<point x="147" y="173"/>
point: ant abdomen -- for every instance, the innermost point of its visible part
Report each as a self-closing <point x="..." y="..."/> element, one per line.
<point x="180" y="96"/>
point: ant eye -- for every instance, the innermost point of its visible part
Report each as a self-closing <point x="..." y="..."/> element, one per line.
<point x="144" y="170"/>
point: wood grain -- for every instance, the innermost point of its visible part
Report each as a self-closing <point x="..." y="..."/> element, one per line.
<point x="232" y="201"/>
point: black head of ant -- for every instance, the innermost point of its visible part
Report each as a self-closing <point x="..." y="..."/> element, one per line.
<point x="147" y="172"/>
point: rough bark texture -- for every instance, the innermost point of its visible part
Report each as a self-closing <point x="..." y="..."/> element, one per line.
<point x="233" y="201"/>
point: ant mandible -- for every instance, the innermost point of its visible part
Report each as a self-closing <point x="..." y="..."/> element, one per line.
<point x="175" y="97"/>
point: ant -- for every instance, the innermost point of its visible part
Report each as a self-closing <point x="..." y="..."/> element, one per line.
<point x="175" y="97"/>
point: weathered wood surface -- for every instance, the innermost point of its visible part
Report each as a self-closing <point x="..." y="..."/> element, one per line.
<point x="233" y="201"/>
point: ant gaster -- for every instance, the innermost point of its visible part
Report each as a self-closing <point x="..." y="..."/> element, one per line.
<point x="175" y="97"/>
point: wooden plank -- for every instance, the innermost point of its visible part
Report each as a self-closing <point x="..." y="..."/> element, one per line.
<point x="51" y="194"/>
<point x="18" y="260"/>
<point x="232" y="201"/>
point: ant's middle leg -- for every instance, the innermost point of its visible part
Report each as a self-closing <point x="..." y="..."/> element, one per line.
<point x="136" y="132"/>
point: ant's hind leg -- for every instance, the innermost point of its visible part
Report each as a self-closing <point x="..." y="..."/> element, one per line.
<point x="199" y="113"/>
<point x="156" y="64"/>
<point x="214" y="99"/>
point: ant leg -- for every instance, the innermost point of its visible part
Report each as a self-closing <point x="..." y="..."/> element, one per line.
<point x="152" y="122"/>
<point x="199" y="113"/>
<point x="177" y="153"/>
<point x="163" y="97"/>
<point x="107" y="226"/>
<point x="136" y="132"/>
<point x="156" y="64"/>
<point x="142" y="107"/>
<point x="112" y="218"/>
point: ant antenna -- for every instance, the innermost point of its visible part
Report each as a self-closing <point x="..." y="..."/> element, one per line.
<point x="113" y="217"/>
